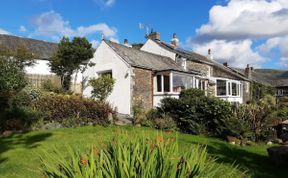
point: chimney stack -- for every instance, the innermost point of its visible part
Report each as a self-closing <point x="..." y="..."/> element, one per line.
<point x="154" y="36"/>
<point x="248" y="71"/>
<point x="225" y="64"/>
<point x="175" y="40"/>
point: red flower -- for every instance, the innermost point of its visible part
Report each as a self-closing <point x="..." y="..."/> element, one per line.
<point x="83" y="161"/>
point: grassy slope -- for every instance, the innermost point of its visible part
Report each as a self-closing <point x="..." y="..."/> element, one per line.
<point x="19" y="153"/>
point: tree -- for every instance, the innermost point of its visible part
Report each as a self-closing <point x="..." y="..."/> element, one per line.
<point x="68" y="58"/>
<point x="12" y="75"/>
<point x="12" y="80"/>
<point x="102" y="87"/>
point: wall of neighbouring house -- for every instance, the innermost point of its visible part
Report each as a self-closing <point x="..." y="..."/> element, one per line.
<point x="152" y="47"/>
<point x="105" y="59"/>
<point x="142" y="86"/>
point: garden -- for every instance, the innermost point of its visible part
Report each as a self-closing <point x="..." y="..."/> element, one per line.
<point x="51" y="132"/>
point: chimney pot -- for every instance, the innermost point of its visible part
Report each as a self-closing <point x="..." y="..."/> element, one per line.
<point x="175" y="40"/>
<point x="154" y="36"/>
<point x="126" y="43"/>
<point x="209" y="51"/>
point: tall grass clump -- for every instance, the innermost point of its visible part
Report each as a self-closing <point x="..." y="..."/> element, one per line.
<point x="125" y="157"/>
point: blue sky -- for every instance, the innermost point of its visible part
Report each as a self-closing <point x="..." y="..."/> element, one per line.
<point x="238" y="31"/>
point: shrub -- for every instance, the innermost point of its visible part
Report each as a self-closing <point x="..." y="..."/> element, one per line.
<point x="256" y="119"/>
<point x="12" y="80"/>
<point x="198" y="114"/>
<point x="102" y="87"/>
<point x="160" y="120"/>
<point x="25" y="97"/>
<point x="127" y="156"/>
<point x="19" y="119"/>
<point x="51" y="86"/>
<point x="58" y="108"/>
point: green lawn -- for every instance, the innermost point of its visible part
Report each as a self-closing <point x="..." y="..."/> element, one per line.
<point x="19" y="153"/>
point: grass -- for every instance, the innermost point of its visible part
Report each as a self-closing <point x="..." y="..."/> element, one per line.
<point x="19" y="153"/>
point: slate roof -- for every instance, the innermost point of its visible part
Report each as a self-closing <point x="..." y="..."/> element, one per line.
<point x="199" y="58"/>
<point x="142" y="59"/>
<point x="41" y="49"/>
<point x="272" y="77"/>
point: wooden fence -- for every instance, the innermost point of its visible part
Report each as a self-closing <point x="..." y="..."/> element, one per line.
<point x="37" y="80"/>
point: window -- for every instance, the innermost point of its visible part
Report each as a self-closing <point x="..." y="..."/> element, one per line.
<point x="106" y="73"/>
<point x="201" y="85"/>
<point x="235" y="89"/>
<point x="221" y="88"/>
<point x="182" y="82"/>
<point x="159" y="83"/>
<point x="166" y="83"/>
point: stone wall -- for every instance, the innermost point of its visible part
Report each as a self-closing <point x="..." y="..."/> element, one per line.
<point x="142" y="87"/>
<point x="246" y="91"/>
<point x="203" y="68"/>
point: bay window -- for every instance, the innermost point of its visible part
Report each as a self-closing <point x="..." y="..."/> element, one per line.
<point x="228" y="88"/>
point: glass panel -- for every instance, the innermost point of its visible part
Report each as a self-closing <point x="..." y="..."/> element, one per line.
<point x="221" y="88"/>
<point x="229" y="88"/>
<point x="159" y="83"/>
<point x="181" y="82"/>
<point x="166" y="83"/>
<point x="234" y="89"/>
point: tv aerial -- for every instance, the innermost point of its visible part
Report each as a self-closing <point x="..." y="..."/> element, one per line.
<point x="147" y="28"/>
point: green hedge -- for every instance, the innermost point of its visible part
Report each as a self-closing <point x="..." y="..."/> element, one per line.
<point x="60" y="107"/>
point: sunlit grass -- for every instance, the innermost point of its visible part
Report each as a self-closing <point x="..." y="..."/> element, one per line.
<point x="19" y="153"/>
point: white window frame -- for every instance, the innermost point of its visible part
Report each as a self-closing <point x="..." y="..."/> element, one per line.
<point x="229" y="88"/>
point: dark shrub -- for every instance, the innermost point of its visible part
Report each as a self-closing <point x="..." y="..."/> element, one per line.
<point x="160" y="120"/>
<point x="57" y="108"/>
<point x="197" y="114"/>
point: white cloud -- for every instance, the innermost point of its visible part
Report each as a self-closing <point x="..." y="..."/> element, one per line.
<point x="22" y="28"/>
<point x="4" y="32"/>
<point x="242" y="19"/>
<point x="233" y="28"/>
<point x="284" y="62"/>
<point x="51" y="24"/>
<point x="101" y="27"/>
<point x="105" y="3"/>
<point x="236" y="53"/>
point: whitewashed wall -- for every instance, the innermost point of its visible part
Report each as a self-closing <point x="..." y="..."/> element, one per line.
<point x="152" y="47"/>
<point x="106" y="59"/>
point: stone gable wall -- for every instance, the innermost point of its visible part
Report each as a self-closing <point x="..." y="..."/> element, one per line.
<point x="142" y="87"/>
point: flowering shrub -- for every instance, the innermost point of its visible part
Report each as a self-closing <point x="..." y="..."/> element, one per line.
<point x="127" y="156"/>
